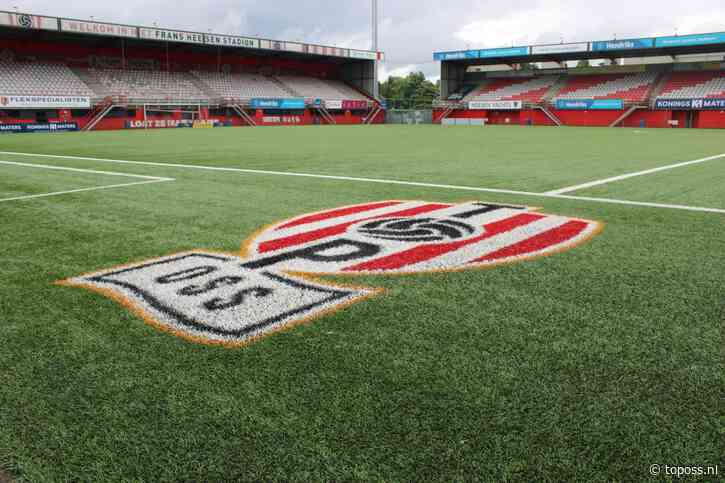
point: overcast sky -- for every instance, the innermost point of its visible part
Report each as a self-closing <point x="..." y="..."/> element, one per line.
<point x="410" y="30"/>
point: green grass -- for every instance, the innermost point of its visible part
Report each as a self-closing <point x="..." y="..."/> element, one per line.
<point x="589" y="365"/>
<point x="18" y="181"/>
<point x="699" y="185"/>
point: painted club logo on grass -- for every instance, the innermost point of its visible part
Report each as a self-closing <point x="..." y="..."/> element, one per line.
<point x="274" y="283"/>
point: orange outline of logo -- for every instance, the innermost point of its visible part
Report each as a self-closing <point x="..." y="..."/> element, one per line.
<point x="152" y="321"/>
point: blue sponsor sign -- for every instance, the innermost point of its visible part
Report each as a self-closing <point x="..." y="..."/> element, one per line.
<point x="690" y="104"/>
<point x="686" y="40"/>
<point x="589" y="104"/>
<point x="504" y="52"/>
<point x="39" y="127"/>
<point x="278" y="104"/>
<point x="457" y="55"/>
<point x="628" y="44"/>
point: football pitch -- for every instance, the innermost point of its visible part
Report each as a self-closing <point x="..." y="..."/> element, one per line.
<point x="592" y="363"/>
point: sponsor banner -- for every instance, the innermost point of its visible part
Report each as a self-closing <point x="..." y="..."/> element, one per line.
<point x="274" y="282"/>
<point x="559" y="48"/>
<point x="98" y="28"/>
<point x="198" y="38"/>
<point x="496" y="105"/>
<point x="204" y="124"/>
<point x="231" y="41"/>
<point x="691" y="104"/>
<point x="282" y="119"/>
<point x="504" y="52"/>
<point x="686" y="40"/>
<point x="333" y="105"/>
<point x="354" y="105"/>
<point x="459" y="55"/>
<point x="322" y="50"/>
<point x="36" y="127"/>
<point x="171" y="35"/>
<point x="293" y="47"/>
<point x="159" y="124"/>
<point x="26" y="21"/>
<point x="44" y="102"/>
<point x="277" y="103"/>
<point x="363" y="54"/>
<point x="628" y="44"/>
<point x="272" y="44"/>
<point x="589" y="104"/>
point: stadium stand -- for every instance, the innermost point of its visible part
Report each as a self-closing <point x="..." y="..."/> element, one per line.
<point x="140" y="84"/>
<point x="242" y="86"/>
<point x="630" y="88"/>
<point x="41" y="79"/>
<point x="314" y="88"/>
<point x="695" y="85"/>
<point x="527" y="90"/>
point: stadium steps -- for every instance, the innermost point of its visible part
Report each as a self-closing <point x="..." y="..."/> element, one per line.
<point x="97" y="114"/>
<point x="658" y="87"/>
<point x="208" y="91"/>
<point x="475" y="89"/>
<point x="325" y="114"/>
<point x="92" y="82"/>
<point x="554" y="89"/>
<point x="624" y="116"/>
<point x="244" y="115"/>
<point x="285" y="87"/>
<point x="550" y="115"/>
<point x="373" y="114"/>
<point x="446" y="113"/>
<point x="360" y="91"/>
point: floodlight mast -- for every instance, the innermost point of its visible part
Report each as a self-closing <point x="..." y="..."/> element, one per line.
<point x="375" y="25"/>
<point x="376" y="87"/>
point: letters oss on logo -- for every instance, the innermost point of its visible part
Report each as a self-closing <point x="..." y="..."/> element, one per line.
<point x="216" y="298"/>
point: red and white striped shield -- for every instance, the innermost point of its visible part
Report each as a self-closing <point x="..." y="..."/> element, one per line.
<point x="402" y="237"/>
<point x="217" y="298"/>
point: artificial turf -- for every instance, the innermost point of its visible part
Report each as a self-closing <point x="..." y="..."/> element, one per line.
<point x="589" y="365"/>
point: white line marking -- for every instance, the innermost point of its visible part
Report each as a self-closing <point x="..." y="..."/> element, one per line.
<point x="96" y="188"/>
<point x="392" y="182"/>
<point x="283" y="173"/>
<point x="570" y="189"/>
<point x="636" y="203"/>
<point x="150" y="180"/>
<point x="77" y="170"/>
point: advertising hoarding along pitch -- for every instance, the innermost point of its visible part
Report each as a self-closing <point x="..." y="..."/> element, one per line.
<point x="98" y="28"/>
<point x="628" y="44"/>
<point x="336" y="105"/>
<point x="352" y="105"/>
<point x="36" y="127"/>
<point x="691" y="104"/>
<point x="496" y="105"/>
<point x="278" y="103"/>
<point x="44" y="102"/>
<point x="589" y="104"/>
